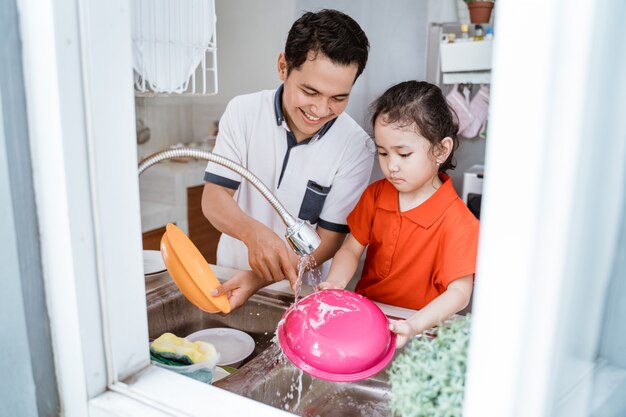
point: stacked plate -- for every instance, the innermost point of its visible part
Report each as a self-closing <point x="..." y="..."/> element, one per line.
<point x="153" y="265"/>
<point x="233" y="345"/>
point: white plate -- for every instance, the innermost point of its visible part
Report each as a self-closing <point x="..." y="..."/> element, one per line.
<point x="155" y="277"/>
<point x="153" y="262"/>
<point x="232" y="344"/>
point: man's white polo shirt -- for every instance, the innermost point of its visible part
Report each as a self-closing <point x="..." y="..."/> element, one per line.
<point x="319" y="179"/>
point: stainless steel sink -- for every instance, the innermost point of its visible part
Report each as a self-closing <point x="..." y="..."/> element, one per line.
<point x="271" y="379"/>
<point x="266" y="375"/>
<point x="170" y="311"/>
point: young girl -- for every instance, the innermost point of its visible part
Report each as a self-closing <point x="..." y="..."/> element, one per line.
<point x="421" y="238"/>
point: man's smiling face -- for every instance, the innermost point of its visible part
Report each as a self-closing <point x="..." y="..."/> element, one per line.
<point x="314" y="93"/>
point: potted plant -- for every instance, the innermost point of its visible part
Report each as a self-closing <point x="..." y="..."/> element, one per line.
<point x="480" y="10"/>
<point x="428" y="377"/>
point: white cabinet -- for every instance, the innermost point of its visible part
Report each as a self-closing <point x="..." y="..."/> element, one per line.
<point x="460" y="62"/>
<point x="466" y="56"/>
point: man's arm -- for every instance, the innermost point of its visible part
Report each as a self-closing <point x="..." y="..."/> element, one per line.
<point x="243" y="284"/>
<point x="268" y="255"/>
<point x="330" y="244"/>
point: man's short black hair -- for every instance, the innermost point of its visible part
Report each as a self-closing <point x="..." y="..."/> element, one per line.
<point x="331" y="32"/>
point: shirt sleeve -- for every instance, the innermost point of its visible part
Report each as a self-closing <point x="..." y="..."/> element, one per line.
<point x="459" y="249"/>
<point x="230" y="143"/>
<point x="361" y="219"/>
<point x="349" y="182"/>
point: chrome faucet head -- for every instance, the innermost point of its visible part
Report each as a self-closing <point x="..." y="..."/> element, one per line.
<point x="302" y="238"/>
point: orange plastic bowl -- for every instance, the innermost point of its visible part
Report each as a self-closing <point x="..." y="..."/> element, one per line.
<point x="191" y="272"/>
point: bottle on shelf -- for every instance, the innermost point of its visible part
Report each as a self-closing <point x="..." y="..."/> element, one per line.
<point x="478" y="33"/>
<point x="464" y="32"/>
<point x="489" y="33"/>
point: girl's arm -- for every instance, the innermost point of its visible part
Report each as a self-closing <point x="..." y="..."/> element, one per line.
<point x="344" y="264"/>
<point x="453" y="300"/>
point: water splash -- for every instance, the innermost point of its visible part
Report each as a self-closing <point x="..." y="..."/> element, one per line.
<point x="271" y="378"/>
<point x="299" y="389"/>
<point x="306" y="273"/>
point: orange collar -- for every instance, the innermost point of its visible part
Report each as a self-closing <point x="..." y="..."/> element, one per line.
<point x="426" y="213"/>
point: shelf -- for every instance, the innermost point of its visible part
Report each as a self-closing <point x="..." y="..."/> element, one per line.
<point x="466" y="56"/>
<point x="466" y="62"/>
<point x="470" y="77"/>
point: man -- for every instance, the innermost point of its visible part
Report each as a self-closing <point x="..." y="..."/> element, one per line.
<point x="313" y="157"/>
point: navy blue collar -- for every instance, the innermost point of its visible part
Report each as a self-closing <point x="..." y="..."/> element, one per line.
<point x="280" y="117"/>
<point x="278" y="105"/>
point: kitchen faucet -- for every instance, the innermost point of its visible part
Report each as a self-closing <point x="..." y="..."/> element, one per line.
<point x="301" y="235"/>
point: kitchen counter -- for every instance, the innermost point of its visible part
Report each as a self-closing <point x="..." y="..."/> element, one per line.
<point x="168" y="311"/>
<point x="283" y="288"/>
<point x="163" y="193"/>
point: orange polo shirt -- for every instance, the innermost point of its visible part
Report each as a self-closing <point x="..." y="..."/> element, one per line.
<point x="412" y="256"/>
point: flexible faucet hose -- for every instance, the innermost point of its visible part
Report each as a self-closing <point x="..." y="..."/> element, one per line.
<point x="233" y="166"/>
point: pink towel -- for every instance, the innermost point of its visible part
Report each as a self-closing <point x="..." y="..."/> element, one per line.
<point x="461" y="107"/>
<point x="479" y="107"/>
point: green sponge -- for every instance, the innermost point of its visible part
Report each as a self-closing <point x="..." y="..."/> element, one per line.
<point x="180" y="351"/>
<point x="193" y="359"/>
<point x="192" y="371"/>
<point x="167" y="361"/>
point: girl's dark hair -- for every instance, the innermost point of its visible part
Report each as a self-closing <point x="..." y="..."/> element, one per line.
<point x="423" y="105"/>
<point x="330" y="32"/>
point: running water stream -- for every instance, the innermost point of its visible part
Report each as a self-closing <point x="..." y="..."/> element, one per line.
<point x="306" y="269"/>
<point x="306" y="272"/>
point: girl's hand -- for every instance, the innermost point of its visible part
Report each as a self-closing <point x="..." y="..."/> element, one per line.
<point x="404" y="332"/>
<point x="328" y="286"/>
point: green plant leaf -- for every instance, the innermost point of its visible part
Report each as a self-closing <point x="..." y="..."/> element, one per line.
<point x="428" y="377"/>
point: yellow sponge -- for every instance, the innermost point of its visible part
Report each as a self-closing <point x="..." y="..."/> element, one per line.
<point x="182" y="350"/>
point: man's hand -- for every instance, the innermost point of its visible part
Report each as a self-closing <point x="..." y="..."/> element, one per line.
<point x="269" y="256"/>
<point x="239" y="288"/>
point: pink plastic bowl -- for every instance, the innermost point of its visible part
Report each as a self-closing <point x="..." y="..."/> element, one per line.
<point x="337" y="335"/>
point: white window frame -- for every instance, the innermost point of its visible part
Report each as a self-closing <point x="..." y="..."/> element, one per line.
<point x="544" y="114"/>
<point x="77" y="56"/>
<point x="77" y="61"/>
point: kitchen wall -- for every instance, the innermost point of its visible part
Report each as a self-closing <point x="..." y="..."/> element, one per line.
<point x="250" y="35"/>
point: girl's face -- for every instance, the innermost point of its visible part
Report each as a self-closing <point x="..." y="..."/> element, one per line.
<point x="314" y="93"/>
<point x="406" y="158"/>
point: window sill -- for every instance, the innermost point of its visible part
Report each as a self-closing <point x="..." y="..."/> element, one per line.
<point x="155" y="392"/>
